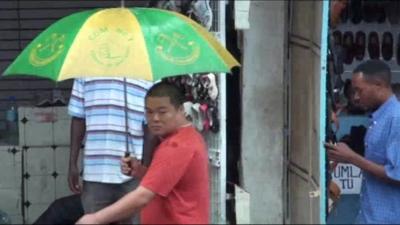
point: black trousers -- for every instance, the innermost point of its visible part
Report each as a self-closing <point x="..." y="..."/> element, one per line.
<point x="66" y="210"/>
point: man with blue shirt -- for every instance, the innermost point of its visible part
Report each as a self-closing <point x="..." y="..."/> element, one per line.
<point x="380" y="192"/>
<point x="98" y="107"/>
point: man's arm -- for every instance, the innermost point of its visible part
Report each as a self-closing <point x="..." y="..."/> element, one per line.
<point x="78" y="129"/>
<point x="342" y="153"/>
<point x="121" y="209"/>
<point x="373" y="168"/>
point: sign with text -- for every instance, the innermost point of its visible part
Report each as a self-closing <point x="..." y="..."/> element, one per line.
<point x="348" y="177"/>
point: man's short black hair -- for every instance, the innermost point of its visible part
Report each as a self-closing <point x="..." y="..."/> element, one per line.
<point x="164" y="89"/>
<point x="374" y="70"/>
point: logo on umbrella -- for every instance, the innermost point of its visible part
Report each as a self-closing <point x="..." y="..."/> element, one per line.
<point x="112" y="46"/>
<point x="47" y="51"/>
<point x="177" y="49"/>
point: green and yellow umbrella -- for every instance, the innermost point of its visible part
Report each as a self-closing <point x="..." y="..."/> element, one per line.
<point x="145" y="43"/>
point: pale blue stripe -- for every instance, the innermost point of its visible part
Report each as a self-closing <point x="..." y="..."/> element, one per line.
<point x="322" y="105"/>
<point x="115" y="117"/>
<point x="109" y="136"/>
<point x="75" y="111"/>
<point x="90" y="141"/>
<point x="101" y="164"/>
<point x="121" y="90"/>
<point x="75" y="103"/>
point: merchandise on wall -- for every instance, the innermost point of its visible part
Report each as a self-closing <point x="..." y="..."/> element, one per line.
<point x="360" y="30"/>
<point x="205" y="96"/>
<point x="201" y="105"/>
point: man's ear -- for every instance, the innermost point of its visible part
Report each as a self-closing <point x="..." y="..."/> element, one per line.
<point x="382" y="84"/>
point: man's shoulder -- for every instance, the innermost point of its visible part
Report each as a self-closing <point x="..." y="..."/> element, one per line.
<point x="189" y="138"/>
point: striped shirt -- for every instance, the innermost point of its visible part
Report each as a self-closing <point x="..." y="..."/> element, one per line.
<point x="100" y="101"/>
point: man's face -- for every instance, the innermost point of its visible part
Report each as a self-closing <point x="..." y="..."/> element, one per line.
<point x="162" y="116"/>
<point x="365" y="93"/>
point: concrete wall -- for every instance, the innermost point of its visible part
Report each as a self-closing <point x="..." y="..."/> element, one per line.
<point x="263" y="110"/>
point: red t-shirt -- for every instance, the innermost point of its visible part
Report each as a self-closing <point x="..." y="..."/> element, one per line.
<point x="178" y="174"/>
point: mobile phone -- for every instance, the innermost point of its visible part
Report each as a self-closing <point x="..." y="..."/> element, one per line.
<point x="329" y="145"/>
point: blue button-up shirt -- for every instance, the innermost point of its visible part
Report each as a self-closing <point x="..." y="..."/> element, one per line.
<point x="380" y="200"/>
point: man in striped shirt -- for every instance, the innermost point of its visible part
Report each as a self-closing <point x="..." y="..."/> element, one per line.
<point x="98" y="107"/>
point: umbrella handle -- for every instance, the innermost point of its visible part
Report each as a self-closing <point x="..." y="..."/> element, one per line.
<point x="128" y="154"/>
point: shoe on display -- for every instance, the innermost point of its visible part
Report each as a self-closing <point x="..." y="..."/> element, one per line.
<point x="204" y="117"/>
<point x="337" y="8"/>
<point x="338" y="54"/>
<point x="215" y="125"/>
<point x="184" y="6"/>
<point x="348" y="45"/>
<point x="212" y="88"/>
<point x="164" y="4"/>
<point x="202" y="12"/>
<point x="370" y="14"/>
<point x="337" y="37"/>
<point x="391" y="9"/>
<point x="360" y="45"/>
<point x="344" y="15"/>
<point x="196" y="115"/>
<point x="355" y="11"/>
<point x="398" y="50"/>
<point x="380" y="12"/>
<point x="387" y="46"/>
<point x="373" y="45"/>
<point x="187" y="106"/>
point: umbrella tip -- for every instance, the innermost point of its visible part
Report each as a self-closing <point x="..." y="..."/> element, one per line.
<point x="122" y="3"/>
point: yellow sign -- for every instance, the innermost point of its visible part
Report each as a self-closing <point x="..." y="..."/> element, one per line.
<point x="177" y="49"/>
<point x="111" y="47"/>
<point x="47" y="51"/>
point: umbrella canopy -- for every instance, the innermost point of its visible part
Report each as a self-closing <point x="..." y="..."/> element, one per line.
<point x="145" y="43"/>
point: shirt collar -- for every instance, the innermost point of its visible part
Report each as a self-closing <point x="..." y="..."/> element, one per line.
<point x="384" y="107"/>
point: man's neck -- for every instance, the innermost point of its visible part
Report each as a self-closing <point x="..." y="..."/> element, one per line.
<point x="385" y="96"/>
<point x="181" y="124"/>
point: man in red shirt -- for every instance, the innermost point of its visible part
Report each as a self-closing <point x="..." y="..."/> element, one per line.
<point x="175" y="188"/>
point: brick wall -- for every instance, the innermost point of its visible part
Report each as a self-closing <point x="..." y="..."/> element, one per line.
<point x="20" y="22"/>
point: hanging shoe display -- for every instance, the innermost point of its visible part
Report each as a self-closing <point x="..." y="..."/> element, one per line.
<point x="373" y="45"/>
<point x="391" y="9"/>
<point x="337" y="52"/>
<point x="360" y="45"/>
<point x="164" y="4"/>
<point x="355" y="13"/>
<point x="380" y="13"/>
<point x="387" y="46"/>
<point x="337" y="37"/>
<point x="201" y="99"/>
<point x="369" y="12"/>
<point x="398" y="50"/>
<point x="348" y="46"/>
<point x="337" y="7"/>
<point x="344" y="15"/>
<point x="202" y="13"/>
